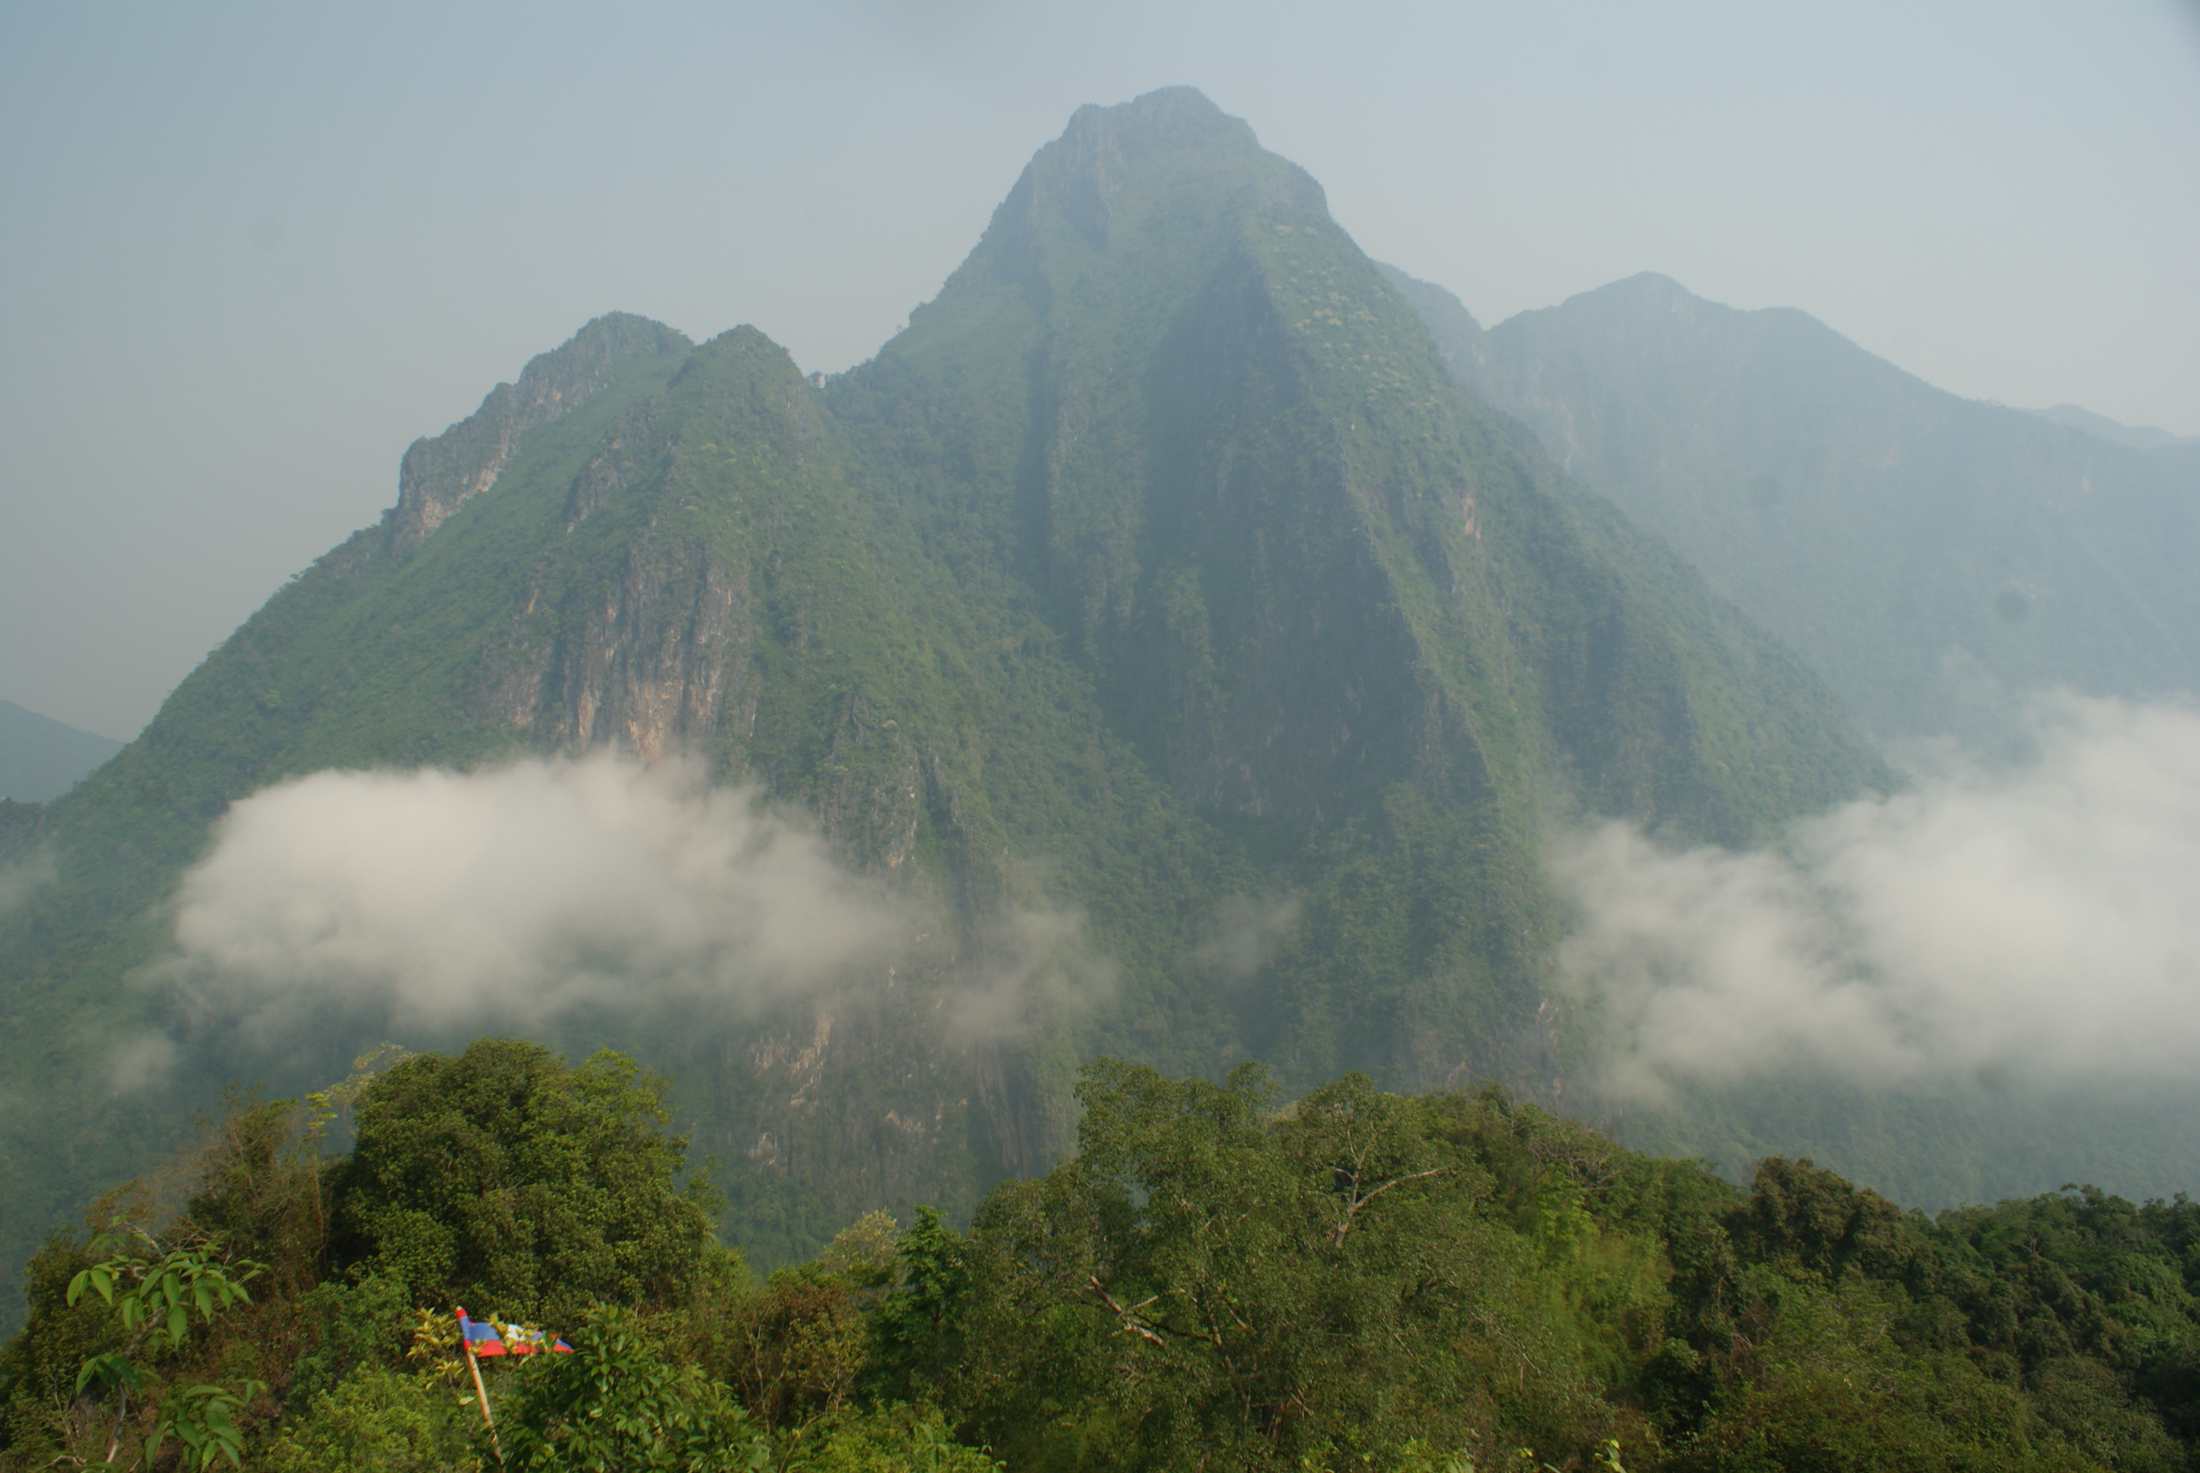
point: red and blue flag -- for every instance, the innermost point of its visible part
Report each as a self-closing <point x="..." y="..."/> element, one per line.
<point x="481" y="1335"/>
<point x="485" y="1337"/>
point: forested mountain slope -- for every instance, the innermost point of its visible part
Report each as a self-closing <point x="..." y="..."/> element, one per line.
<point x="1152" y="590"/>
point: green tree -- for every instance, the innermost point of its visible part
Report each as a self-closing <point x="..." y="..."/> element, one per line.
<point x="917" y="1329"/>
<point x="896" y="1438"/>
<point x="617" y="1406"/>
<point x="800" y="1347"/>
<point x="1213" y="1280"/>
<point x="155" y="1289"/>
<point x="506" y="1180"/>
<point x="378" y="1420"/>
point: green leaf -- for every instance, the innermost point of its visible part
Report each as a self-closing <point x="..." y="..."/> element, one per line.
<point x="103" y="1280"/>
<point x="178" y="1324"/>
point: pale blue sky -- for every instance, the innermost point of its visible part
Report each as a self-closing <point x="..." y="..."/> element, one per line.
<point x="248" y="252"/>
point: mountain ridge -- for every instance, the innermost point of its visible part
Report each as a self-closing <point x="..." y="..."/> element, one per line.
<point x="440" y="473"/>
<point x="1850" y="506"/>
<point x="2137" y="437"/>
<point x="41" y="758"/>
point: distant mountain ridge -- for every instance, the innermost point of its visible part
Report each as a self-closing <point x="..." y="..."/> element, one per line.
<point x="41" y="758"/>
<point x="2137" y="437"/>
<point x="1935" y="558"/>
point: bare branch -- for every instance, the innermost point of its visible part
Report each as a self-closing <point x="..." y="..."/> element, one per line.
<point x="1125" y="1316"/>
<point x="1353" y="1211"/>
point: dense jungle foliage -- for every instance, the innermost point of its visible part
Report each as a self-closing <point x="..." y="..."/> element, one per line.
<point x="1217" y="1279"/>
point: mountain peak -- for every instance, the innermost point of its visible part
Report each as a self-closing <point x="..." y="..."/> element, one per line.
<point x="441" y="472"/>
<point x="1168" y="116"/>
<point x="749" y="343"/>
<point x="1648" y="282"/>
<point x="1645" y="291"/>
<point x="1654" y="312"/>
<point x="614" y="335"/>
<point x="1136" y="147"/>
<point x="1168" y="168"/>
<point x="1652" y="293"/>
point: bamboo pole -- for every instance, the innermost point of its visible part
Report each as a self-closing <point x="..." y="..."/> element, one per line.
<point x="481" y="1390"/>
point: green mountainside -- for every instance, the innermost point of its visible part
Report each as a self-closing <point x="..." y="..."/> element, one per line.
<point x="41" y="758"/>
<point x="1154" y="573"/>
<point x="1933" y="558"/>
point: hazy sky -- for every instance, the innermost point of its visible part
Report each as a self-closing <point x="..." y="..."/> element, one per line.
<point x="247" y="253"/>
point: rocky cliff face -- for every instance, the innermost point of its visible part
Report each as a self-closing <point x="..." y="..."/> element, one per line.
<point x="649" y="659"/>
<point x="440" y="474"/>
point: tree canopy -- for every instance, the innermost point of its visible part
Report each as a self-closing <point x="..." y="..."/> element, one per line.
<point x="1219" y="1278"/>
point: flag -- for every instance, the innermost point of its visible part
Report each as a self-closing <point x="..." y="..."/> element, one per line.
<point x="481" y="1335"/>
<point x="485" y="1337"/>
<point x="519" y="1340"/>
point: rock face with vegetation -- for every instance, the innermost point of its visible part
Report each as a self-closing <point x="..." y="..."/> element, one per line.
<point x="1153" y="583"/>
<point x="442" y="473"/>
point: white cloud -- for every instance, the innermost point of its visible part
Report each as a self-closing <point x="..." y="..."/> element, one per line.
<point x="2040" y="917"/>
<point x="140" y="1062"/>
<point x="19" y="880"/>
<point x="534" y="887"/>
<point x="1245" y="934"/>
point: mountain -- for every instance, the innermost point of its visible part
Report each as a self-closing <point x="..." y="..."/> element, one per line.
<point x="1153" y="591"/>
<point x="1939" y="562"/>
<point x="2136" y="437"/>
<point x="1934" y="558"/>
<point x="42" y="758"/>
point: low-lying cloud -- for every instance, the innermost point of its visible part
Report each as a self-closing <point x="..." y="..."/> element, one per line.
<point x="539" y="886"/>
<point x="20" y="880"/>
<point x="1245" y="934"/>
<point x="140" y="1061"/>
<point x="2038" y="919"/>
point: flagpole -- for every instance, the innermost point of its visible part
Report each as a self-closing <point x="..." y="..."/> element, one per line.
<point x="481" y="1390"/>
